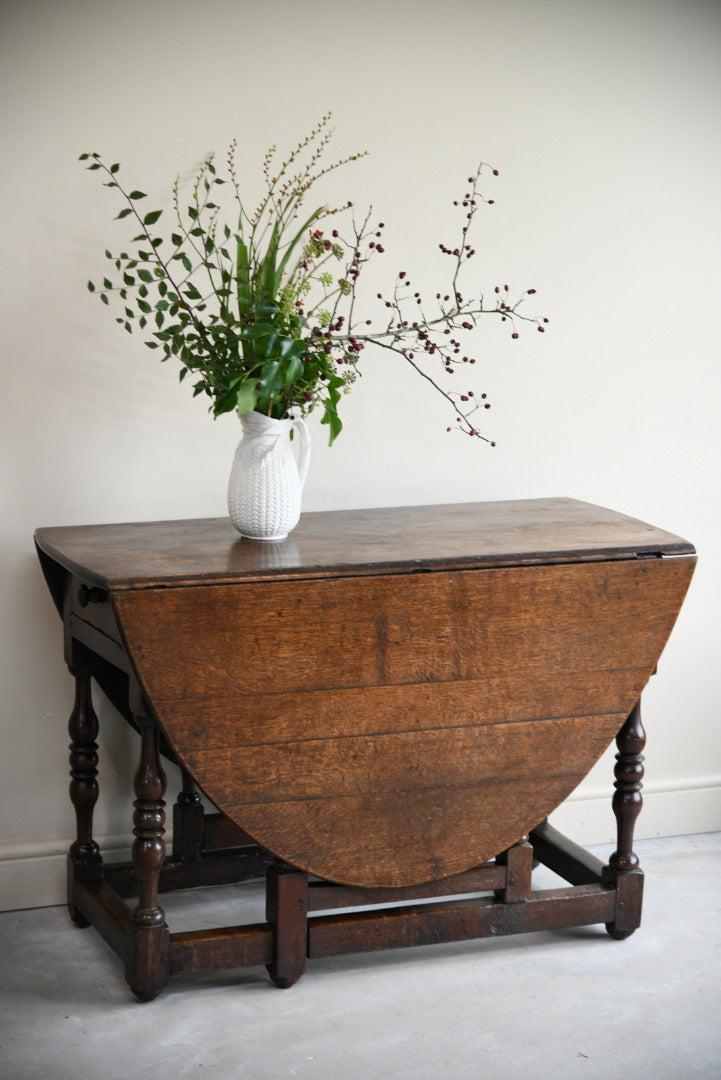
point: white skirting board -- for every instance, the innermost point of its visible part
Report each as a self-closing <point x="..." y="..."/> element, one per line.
<point x="33" y="875"/>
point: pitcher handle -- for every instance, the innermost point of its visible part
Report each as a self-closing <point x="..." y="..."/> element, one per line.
<point x="303" y="449"/>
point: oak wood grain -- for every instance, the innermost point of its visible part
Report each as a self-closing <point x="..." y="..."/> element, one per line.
<point x="384" y="730"/>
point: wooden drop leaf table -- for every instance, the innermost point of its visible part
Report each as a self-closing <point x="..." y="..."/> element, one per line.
<point x="383" y="708"/>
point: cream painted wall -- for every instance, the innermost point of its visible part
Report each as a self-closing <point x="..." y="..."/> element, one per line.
<point x="602" y="118"/>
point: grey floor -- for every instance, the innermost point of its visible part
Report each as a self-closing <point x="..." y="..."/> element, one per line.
<point x="563" y="1004"/>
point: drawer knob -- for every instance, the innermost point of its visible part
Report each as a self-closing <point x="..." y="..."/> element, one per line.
<point x="90" y="595"/>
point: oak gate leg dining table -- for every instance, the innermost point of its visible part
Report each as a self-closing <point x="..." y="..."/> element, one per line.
<point x="383" y="708"/>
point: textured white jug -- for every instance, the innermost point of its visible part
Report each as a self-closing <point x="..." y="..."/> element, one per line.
<point x="265" y="486"/>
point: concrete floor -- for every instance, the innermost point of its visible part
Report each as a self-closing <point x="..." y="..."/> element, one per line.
<point x="554" y="1004"/>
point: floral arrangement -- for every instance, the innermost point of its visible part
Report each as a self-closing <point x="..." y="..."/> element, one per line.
<point x="260" y="308"/>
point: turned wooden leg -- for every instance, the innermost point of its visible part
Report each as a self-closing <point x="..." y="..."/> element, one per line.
<point x="84" y="854"/>
<point x="623" y="868"/>
<point x="188" y="818"/>
<point x="147" y="935"/>
<point x="286" y="912"/>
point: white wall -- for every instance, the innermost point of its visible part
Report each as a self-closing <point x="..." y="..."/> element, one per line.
<point x="602" y="118"/>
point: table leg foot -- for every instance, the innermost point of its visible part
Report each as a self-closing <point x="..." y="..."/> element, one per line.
<point x="286" y="913"/>
<point x="147" y="952"/>
<point x="629" y="897"/>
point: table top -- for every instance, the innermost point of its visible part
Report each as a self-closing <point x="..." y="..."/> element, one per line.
<point x="119" y="557"/>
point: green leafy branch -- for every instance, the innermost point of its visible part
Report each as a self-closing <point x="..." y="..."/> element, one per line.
<point x="260" y="308"/>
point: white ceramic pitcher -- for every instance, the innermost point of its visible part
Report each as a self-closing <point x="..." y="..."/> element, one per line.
<point x="265" y="486"/>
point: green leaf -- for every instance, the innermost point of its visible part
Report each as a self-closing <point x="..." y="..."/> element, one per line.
<point x="270" y="278"/>
<point x="91" y="287"/>
<point x="294" y="347"/>
<point x="243" y="274"/>
<point x="152" y="217"/>
<point x="123" y="213"/>
<point x="269" y="381"/>
<point x="145" y="275"/>
<point x="114" y="168"/>
<point x="257" y="330"/>
<point x="137" y="195"/>
<point x="246" y="397"/>
<point x="292" y="371"/>
<point x="330" y="417"/>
